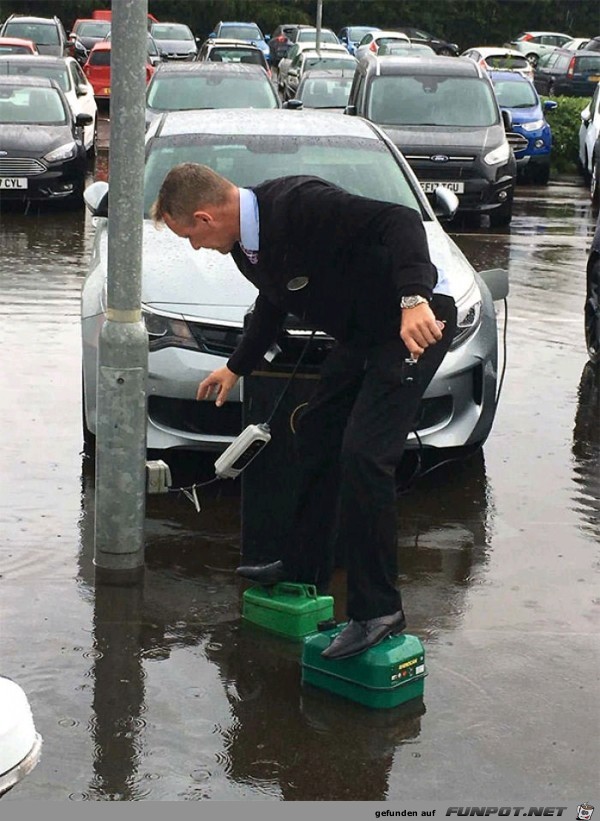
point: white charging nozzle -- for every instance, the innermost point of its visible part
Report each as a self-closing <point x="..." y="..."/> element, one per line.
<point x="242" y="451"/>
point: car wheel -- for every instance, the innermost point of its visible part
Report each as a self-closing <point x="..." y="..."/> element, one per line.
<point x="501" y="216"/>
<point x="540" y="174"/>
<point x="532" y="59"/>
<point x="89" y="440"/>
<point x="591" y="315"/>
<point x="75" y="200"/>
<point x="93" y="149"/>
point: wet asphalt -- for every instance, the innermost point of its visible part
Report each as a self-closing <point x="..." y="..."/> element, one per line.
<point x="161" y="693"/>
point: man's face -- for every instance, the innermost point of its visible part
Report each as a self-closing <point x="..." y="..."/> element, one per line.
<point x="205" y="229"/>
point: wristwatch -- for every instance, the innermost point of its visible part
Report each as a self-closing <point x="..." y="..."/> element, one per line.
<point x="412" y="301"/>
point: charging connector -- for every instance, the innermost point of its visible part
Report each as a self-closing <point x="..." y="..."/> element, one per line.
<point x="158" y="477"/>
<point x="242" y="451"/>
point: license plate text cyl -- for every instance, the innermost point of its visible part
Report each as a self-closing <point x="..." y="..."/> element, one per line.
<point x="11" y="183"/>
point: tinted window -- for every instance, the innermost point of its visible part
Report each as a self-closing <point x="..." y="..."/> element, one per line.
<point x="44" y="34"/>
<point x="31" y="106"/>
<point x="515" y="95"/>
<point x="237" y="55"/>
<point x="432" y="100"/>
<point x="364" y="167"/>
<point x="93" y="28"/>
<point x="310" y="36"/>
<point x="168" y="31"/>
<point x="239" y="91"/>
<point x="506" y="61"/>
<point x="585" y="64"/>
<point x="241" y="32"/>
<point x="100" y="58"/>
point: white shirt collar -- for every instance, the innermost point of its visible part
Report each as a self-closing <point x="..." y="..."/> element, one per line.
<point x="249" y="221"/>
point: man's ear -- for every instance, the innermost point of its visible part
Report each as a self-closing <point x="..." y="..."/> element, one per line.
<point x="202" y="216"/>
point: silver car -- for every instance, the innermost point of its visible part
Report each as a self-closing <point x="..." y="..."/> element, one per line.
<point x="194" y="302"/>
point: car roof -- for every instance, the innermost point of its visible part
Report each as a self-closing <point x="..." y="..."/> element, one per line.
<point x="450" y="66"/>
<point x="264" y="122"/>
<point x="103" y="45"/>
<point x="27" y="18"/>
<point x="224" y="41"/>
<point x="208" y="67"/>
<point x="37" y="60"/>
<point x="389" y="33"/>
<point x="538" y="33"/>
<point x="489" y="50"/>
<point x="16" y="41"/>
<point x="19" y="80"/>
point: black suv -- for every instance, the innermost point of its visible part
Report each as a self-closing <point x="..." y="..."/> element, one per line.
<point x="442" y="113"/>
<point x="281" y="41"/>
<point x="440" y="46"/>
<point x="47" y="33"/>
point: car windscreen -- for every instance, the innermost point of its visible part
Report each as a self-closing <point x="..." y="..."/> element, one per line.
<point x="328" y="62"/>
<point x="515" y="95"/>
<point x="52" y="72"/>
<point x="237" y="55"/>
<point x="31" y="106"/>
<point x="171" y="32"/>
<point x="178" y="93"/>
<point x="509" y="62"/>
<point x="4" y="49"/>
<point x="432" y="100"/>
<point x="325" y="93"/>
<point x="93" y="28"/>
<point x="362" y="166"/>
<point x="587" y="64"/>
<point x="356" y="33"/>
<point x="310" y="36"/>
<point x="241" y="32"/>
<point x="43" y="34"/>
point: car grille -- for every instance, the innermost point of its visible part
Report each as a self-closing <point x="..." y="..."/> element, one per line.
<point x="464" y="170"/>
<point x="190" y="416"/>
<point x="517" y="141"/>
<point x="24" y="166"/>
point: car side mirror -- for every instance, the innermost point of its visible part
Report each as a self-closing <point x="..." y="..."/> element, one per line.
<point x="351" y="110"/>
<point x="293" y="104"/>
<point x="586" y="115"/>
<point x="507" y="120"/>
<point x="83" y="119"/>
<point x="550" y="105"/>
<point x="446" y="203"/>
<point x="496" y="280"/>
<point x="81" y="90"/>
<point x="267" y="38"/>
<point x="96" y="198"/>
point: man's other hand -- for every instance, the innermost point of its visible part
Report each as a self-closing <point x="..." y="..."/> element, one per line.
<point x="419" y="329"/>
<point x="222" y="381"/>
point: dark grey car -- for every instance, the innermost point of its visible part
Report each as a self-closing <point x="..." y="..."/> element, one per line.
<point x="441" y="112"/>
<point x="47" y="33"/>
<point x="175" y="41"/>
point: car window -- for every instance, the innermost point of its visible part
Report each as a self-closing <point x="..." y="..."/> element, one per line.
<point x="327" y="62"/>
<point x="585" y="64"/>
<point x="364" y="167"/>
<point x="237" y="55"/>
<point x="31" y="106"/>
<point x="562" y="62"/>
<point x="241" y="32"/>
<point x="310" y="36"/>
<point x="44" y="34"/>
<point x="58" y="73"/>
<point x="75" y="80"/>
<point x="79" y="75"/>
<point x="171" y="31"/>
<point x="547" y="60"/>
<point x="515" y="95"/>
<point x="356" y="32"/>
<point x="366" y="40"/>
<point x="320" y="92"/>
<point x="432" y="100"/>
<point x="93" y="28"/>
<point x="506" y="61"/>
<point x="100" y="57"/>
<point x="240" y="91"/>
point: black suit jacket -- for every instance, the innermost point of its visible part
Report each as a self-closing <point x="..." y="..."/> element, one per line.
<point x="360" y="256"/>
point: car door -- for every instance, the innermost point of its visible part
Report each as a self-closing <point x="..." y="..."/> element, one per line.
<point x="86" y="103"/>
<point x="284" y="64"/>
<point x="364" y="44"/>
<point x="543" y="72"/>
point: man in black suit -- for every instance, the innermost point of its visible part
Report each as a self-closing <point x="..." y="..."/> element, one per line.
<point x="358" y="269"/>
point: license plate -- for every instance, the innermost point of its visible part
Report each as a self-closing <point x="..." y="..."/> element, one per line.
<point x="10" y="183"/>
<point x="457" y="187"/>
<point x="594" y="78"/>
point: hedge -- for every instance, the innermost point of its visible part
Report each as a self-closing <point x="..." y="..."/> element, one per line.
<point x="565" y="122"/>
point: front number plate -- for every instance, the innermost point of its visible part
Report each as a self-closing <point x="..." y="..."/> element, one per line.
<point x="457" y="187"/>
<point x="10" y="183"/>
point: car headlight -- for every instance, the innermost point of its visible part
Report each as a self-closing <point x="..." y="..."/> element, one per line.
<point x="63" y="152"/>
<point x="498" y="155"/>
<point x="533" y="126"/>
<point x="468" y="316"/>
<point x="166" y="332"/>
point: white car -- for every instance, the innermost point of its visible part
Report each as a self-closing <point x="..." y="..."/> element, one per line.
<point x="576" y="44"/>
<point x="492" y="58"/>
<point x="534" y="44"/>
<point x="589" y="131"/>
<point x="194" y="302"/>
<point x="67" y="73"/>
<point x="374" y="39"/>
<point x="285" y="63"/>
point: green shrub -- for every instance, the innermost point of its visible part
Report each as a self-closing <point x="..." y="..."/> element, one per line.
<point x="565" y="121"/>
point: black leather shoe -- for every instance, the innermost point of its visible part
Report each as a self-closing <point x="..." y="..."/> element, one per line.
<point x="359" y="636"/>
<point x="264" y="573"/>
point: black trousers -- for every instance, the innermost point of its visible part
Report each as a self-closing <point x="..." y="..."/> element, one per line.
<point x="350" y="440"/>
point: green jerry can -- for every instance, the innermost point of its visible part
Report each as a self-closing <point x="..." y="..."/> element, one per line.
<point x="288" y="609"/>
<point x="387" y="675"/>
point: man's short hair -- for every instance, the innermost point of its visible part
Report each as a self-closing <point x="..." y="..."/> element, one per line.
<point x="186" y="188"/>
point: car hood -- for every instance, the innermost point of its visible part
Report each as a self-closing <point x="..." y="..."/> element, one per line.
<point x="208" y="285"/>
<point x="525" y="115"/>
<point x="33" y="140"/>
<point x="54" y="50"/>
<point x="440" y="140"/>
<point x="176" y="45"/>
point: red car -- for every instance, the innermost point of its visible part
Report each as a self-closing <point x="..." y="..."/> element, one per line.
<point x="17" y="45"/>
<point x="97" y="69"/>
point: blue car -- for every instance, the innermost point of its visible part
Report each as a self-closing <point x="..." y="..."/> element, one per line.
<point x="242" y="31"/>
<point x="351" y="36"/>
<point x="531" y="135"/>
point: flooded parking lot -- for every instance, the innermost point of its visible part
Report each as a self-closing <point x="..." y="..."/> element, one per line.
<point x="161" y="693"/>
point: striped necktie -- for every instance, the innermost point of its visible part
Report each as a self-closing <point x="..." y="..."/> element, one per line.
<point x="252" y="255"/>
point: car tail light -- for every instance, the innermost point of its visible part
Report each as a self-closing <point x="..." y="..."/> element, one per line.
<point x="373" y="47"/>
<point x="571" y="69"/>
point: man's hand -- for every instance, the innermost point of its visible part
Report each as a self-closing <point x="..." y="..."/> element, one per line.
<point x="222" y="380"/>
<point x="419" y="329"/>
